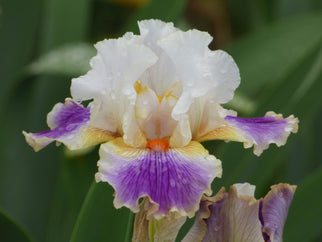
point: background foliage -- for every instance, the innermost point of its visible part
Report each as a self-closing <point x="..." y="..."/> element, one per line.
<point x="51" y="195"/>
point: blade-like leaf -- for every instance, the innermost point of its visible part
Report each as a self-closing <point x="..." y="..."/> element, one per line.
<point x="17" y="35"/>
<point x="28" y="179"/>
<point x="266" y="55"/>
<point x="69" y="60"/>
<point x="304" y="222"/>
<point x="10" y="231"/>
<point x="98" y="220"/>
<point x="75" y="177"/>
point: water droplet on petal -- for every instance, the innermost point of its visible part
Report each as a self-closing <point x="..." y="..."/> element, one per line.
<point x="216" y="228"/>
<point x="152" y="168"/>
<point x="190" y="84"/>
<point x="223" y="71"/>
<point x="172" y="182"/>
<point x="70" y="127"/>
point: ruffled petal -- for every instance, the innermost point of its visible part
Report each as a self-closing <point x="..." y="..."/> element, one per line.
<point x="118" y="65"/>
<point x="257" y="132"/>
<point x="70" y="124"/>
<point x="199" y="69"/>
<point x="273" y="210"/>
<point x="115" y="69"/>
<point x="162" y="74"/>
<point x="238" y="216"/>
<point x="174" y="179"/>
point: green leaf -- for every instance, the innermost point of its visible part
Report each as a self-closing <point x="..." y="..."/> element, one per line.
<point x="75" y="178"/>
<point x="305" y="215"/>
<point x="266" y="55"/>
<point x="70" y="60"/>
<point x="29" y="180"/>
<point x="17" y="35"/>
<point x="10" y="231"/>
<point x="98" y="220"/>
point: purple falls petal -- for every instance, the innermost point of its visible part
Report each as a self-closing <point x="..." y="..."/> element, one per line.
<point x="261" y="132"/>
<point x="273" y="210"/>
<point x="257" y="132"/>
<point x="69" y="124"/>
<point x="173" y="180"/>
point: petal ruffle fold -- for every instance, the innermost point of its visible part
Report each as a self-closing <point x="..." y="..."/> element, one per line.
<point x="174" y="180"/>
<point x="200" y="70"/>
<point x="257" y="132"/>
<point x="69" y="123"/>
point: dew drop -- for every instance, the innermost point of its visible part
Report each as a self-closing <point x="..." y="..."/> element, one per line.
<point x="137" y="170"/>
<point x="184" y="181"/>
<point x="152" y="169"/>
<point x="216" y="227"/>
<point x="172" y="182"/>
<point x="164" y="169"/>
<point x="190" y="84"/>
<point x="70" y="127"/>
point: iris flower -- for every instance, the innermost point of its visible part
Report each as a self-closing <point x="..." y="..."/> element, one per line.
<point x="152" y="99"/>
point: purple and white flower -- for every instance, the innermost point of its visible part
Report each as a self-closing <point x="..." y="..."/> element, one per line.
<point x="153" y="98"/>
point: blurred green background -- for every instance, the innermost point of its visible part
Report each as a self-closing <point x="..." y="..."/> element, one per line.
<point x="51" y="195"/>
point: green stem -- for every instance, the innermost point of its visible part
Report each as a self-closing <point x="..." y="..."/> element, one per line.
<point x="129" y="228"/>
<point x="152" y="229"/>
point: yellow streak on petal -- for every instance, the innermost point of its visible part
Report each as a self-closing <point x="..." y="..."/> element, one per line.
<point x="92" y="136"/>
<point x="118" y="147"/>
<point x="193" y="149"/>
<point x="138" y="86"/>
<point x="223" y="133"/>
<point x="175" y="90"/>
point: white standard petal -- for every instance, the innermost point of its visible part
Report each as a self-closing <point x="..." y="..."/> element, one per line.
<point x="117" y="66"/>
<point x="162" y="74"/>
<point x="115" y="69"/>
<point x="199" y="69"/>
